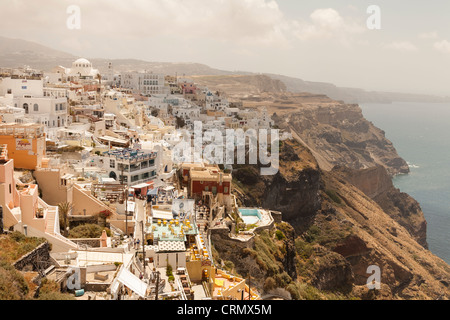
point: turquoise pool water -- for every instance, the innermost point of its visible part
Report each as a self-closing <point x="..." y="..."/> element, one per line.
<point x="250" y="216"/>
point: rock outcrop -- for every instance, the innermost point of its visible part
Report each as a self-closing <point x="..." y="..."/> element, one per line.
<point x="377" y="185"/>
<point x="340" y="135"/>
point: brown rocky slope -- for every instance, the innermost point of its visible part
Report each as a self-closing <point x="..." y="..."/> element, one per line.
<point x="332" y="233"/>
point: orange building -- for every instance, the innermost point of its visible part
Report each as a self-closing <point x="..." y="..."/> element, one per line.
<point x="26" y="143"/>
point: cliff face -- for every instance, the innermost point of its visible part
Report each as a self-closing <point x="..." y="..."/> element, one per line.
<point x="407" y="269"/>
<point x="333" y="231"/>
<point x="341" y="213"/>
<point x="339" y="134"/>
<point x="294" y="190"/>
<point x="377" y="185"/>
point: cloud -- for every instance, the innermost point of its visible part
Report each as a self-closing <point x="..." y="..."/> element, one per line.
<point x="401" y="46"/>
<point x="428" y="35"/>
<point x="326" y="24"/>
<point x="236" y="22"/>
<point x="242" y="21"/>
<point x="442" y="46"/>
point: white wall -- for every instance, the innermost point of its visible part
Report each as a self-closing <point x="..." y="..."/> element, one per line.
<point x="21" y="87"/>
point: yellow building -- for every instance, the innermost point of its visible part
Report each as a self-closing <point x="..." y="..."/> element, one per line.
<point x="26" y="143"/>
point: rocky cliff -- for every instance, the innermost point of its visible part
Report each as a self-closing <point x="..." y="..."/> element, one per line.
<point x="376" y="184"/>
<point x="340" y="135"/>
<point x="341" y="213"/>
<point x="332" y="232"/>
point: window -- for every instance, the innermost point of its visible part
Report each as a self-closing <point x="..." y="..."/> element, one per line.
<point x="10" y="188"/>
<point x="56" y="107"/>
<point x="36" y="107"/>
<point x="225" y="189"/>
<point x="112" y="164"/>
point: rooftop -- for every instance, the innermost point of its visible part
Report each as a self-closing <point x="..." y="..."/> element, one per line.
<point x="24" y="130"/>
<point x="130" y="154"/>
<point x="171" y="230"/>
<point x="209" y="173"/>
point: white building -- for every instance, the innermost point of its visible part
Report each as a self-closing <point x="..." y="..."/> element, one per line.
<point x="28" y="94"/>
<point x="82" y="69"/>
<point x="146" y="83"/>
<point x="131" y="167"/>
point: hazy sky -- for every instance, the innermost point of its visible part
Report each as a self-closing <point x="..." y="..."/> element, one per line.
<point x="321" y="40"/>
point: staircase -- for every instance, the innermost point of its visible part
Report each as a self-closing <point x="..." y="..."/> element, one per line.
<point x="50" y="220"/>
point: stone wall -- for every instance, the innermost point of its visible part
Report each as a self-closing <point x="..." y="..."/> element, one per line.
<point x="277" y="216"/>
<point x="38" y="257"/>
<point x="221" y="239"/>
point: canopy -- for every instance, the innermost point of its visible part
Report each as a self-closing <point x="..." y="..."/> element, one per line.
<point x="140" y="186"/>
<point x="152" y="192"/>
<point x="134" y="283"/>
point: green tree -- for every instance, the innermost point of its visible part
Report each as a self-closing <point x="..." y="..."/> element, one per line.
<point x="64" y="209"/>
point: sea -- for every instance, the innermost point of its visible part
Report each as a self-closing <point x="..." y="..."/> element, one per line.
<point x="420" y="133"/>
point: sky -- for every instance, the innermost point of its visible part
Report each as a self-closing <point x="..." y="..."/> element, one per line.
<point x="315" y="40"/>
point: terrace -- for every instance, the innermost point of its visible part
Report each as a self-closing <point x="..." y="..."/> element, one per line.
<point x="227" y="286"/>
<point x="133" y="156"/>
<point x="22" y="131"/>
<point x="171" y="230"/>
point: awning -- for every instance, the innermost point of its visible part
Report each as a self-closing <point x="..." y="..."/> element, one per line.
<point x="134" y="283"/>
<point x="140" y="186"/>
<point x="152" y="192"/>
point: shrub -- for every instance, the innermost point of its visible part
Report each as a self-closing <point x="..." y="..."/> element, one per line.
<point x="308" y="292"/>
<point x="283" y="279"/>
<point x="303" y="249"/>
<point x="312" y="234"/>
<point x="229" y="265"/>
<point x="333" y="196"/>
<point x="88" y="231"/>
<point x="269" y="284"/>
<point x="105" y="214"/>
<point x="17" y="236"/>
<point x="13" y="285"/>
<point x="280" y="235"/>
<point x="169" y="270"/>
<point x="50" y="291"/>
<point x="293" y="290"/>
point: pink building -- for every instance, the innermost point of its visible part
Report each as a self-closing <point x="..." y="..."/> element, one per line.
<point x="24" y="211"/>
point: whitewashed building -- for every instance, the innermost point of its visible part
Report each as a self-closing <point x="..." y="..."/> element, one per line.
<point x="28" y="94"/>
<point x="146" y="83"/>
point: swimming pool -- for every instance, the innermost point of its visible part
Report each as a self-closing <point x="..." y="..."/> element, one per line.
<point x="250" y="215"/>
